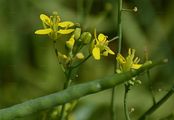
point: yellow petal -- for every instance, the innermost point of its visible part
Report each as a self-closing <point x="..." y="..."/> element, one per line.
<point x="136" y="66"/>
<point x="66" y="24"/>
<point x="101" y="37"/>
<point x="43" y="31"/>
<point x="70" y="43"/>
<point x="61" y="31"/>
<point x="109" y="50"/>
<point x="45" y="19"/>
<point x="120" y="58"/>
<point x="96" y="53"/>
<point x="105" y="53"/>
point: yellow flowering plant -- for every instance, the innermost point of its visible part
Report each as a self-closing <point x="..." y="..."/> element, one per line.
<point x="60" y="105"/>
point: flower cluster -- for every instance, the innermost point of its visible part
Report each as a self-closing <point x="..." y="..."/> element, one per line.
<point x="128" y="63"/>
<point x="74" y="55"/>
<point x="54" y="26"/>
<point x="125" y="64"/>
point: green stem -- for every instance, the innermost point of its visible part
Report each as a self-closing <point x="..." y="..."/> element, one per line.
<point x="66" y="85"/>
<point x="68" y="79"/>
<point x="71" y="93"/>
<point x="56" y="52"/>
<point x="119" y="25"/>
<point x="157" y="105"/>
<point x="82" y="62"/>
<point x="113" y="111"/>
<point x="150" y="87"/>
<point x="126" y="111"/>
<point x="113" y="39"/>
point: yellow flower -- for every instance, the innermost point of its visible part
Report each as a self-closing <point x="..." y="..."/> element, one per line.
<point x="53" y="26"/>
<point x="101" y="46"/>
<point x="125" y="64"/>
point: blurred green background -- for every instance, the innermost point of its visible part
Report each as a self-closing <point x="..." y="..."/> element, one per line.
<point x="29" y="68"/>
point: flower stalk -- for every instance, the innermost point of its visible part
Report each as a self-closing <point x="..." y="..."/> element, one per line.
<point x="71" y="93"/>
<point x="126" y="111"/>
<point x="119" y="29"/>
<point x="158" y="104"/>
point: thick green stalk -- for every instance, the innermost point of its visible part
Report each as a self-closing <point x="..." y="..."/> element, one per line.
<point x="69" y="94"/>
<point x="113" y="111"/>
<point x="157" y="105"/>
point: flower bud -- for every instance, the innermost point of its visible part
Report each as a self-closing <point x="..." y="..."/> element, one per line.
<point x="70" y="42"/>
<point x="62" y="58"/>
<point x="80" y="55"/>
<point x="86" y="37"/>
<point x="77" y="33"/>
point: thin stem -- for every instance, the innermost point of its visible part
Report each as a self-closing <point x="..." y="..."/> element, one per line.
<point x="113" y="111"/>
<point x="150" y="87"/>
<point x="56" y="52"/>
<point x="157" y="105"/>
<point x="126" y="111"/>
<point x="66" y="85"/>
<point x="148" y="77"/>
<point x="119" y="25"/>
<point x="113" y="39"/>
<point x="82" y="62"/>
<point x="113" y="117"/>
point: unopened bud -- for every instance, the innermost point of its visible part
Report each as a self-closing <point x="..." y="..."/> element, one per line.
<point x="62" y="58"/>
<point x="70" y="42"/>
<point x="80" y="55"/>
<point x="77" y="33"/>
<point x="132" y="110"/>
<point x="86" y="37"/>
<point x="135" y="9"/>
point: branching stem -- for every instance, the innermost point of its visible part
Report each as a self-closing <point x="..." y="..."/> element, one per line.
<point x="75" y="66"/>
<point x="158" y="104"/>
<point x="69" y="94"/>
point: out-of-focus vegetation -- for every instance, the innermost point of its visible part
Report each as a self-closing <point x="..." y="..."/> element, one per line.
<point x="29" y="69"/>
